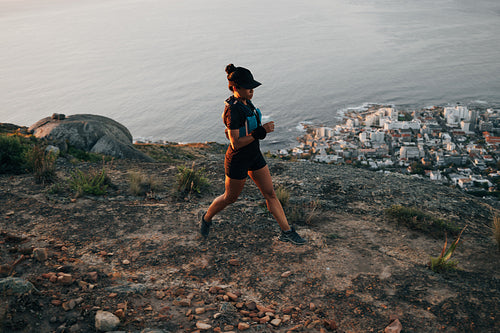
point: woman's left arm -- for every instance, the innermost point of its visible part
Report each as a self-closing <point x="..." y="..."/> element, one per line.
<point x="238" y="142"/>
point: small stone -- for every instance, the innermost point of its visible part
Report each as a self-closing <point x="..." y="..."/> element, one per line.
<point x="119" y="313"/>
<point x="394" y="327"/>
<point x="182" y="302"/>
<point x="69" y="305"/>
<point x="56" y="302"/>
<point x="265" y="319"/>
<point x="179" y="292"/>
<point x="228" y="328"/>
<point x="286" y="318"/>
<point x="312" y="306"/>
<point x="160" y="294"/>
<point x="92" y="276"/>
<point x="251" y="305"/>
<point x="313" y="324"/>
<point x="122" y="306"/>
<point x="330" y="324"/>
<point x="40" y="254"/>
<point x="198" y="304"/>
<point x="203" y="326"/>
<point x="106" y="321"/>
<point x="276" y="322"/>
<point x="264" y="309"/>
<point x="199" y="311"/>
<point x="243" y="326"/>
<point x="234" y="262"/>
<point x="232" y="296"/>
<point x="64" y="278"/>
<point x="213" y="290"/>
<point x="126" y="262"/>
<point x="286" y="274"/>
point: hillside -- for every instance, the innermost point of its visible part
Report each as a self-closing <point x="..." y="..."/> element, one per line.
<point x="141" y="257"/>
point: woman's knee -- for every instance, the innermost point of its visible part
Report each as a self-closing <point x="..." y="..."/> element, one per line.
<point x="269" y="194"/>
<point x="230" y="199"/>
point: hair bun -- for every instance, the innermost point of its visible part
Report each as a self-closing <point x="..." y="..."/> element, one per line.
<point x="230" y="68"/>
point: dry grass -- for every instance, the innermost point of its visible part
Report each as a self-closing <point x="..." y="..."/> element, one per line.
<point x="283" y="195"/>
<point x="141" y="184"/>
<point x="496" y="230"/>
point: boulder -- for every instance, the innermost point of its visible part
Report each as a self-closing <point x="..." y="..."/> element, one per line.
<point x="92" y="133"/>
<point x="15" y="286"/>
<point x="106" y="321"/>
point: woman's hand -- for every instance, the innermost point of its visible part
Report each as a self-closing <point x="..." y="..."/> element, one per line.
<point x="269" y="127"/>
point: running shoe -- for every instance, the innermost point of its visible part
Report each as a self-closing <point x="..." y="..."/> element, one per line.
<point x="292" y="236"/>
<point x="204" y="225"/>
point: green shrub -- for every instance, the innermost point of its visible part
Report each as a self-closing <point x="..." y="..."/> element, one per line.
<point x="12" y="154"/>
<point x="190" y="180"/>
<point x="83" y="155"/>
<point x="141" y="184"/>
<point x="443" y="262"/>
<point x="42" y="164"/>
<point x="57" y="188"/>
<point x="93" y="182"/>
<point x="418" y="220"/>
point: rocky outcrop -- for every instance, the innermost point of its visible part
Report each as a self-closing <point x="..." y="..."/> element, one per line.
<point x="92" y="133"/>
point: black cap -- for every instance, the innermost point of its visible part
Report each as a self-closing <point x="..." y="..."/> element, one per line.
<point x="241" y="76"/>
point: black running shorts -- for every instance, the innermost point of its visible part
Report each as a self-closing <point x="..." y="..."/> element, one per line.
<point x="237" y="165"/>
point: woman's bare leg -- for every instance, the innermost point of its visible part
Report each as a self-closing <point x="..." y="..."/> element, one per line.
<point x="233" y="188"/>
<point x="262" y="179"/>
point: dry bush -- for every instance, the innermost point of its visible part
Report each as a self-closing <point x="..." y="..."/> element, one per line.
<point x="283" y="195"/>
<point x="42" y="164"/>
<point x="496" y="230"/>
<point x="141" y="184"/>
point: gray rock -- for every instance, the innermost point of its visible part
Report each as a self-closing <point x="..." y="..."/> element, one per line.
<point x="15" y="286"/>
<point x="106" y="321"/>
<point x="133" y="288"/>
<point x="90" y="133"/>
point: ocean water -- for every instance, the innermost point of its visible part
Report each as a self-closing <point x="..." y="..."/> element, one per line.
<point x="157" y="66"/>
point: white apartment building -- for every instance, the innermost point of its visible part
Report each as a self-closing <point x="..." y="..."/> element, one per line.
<point x="377" y="137"/>
<point x="363" y="137"/>
<point x="435" y="175"/>
<point x="393" y="125"/>
<point x="409" y="152"/>
<point x="455" y="114"/>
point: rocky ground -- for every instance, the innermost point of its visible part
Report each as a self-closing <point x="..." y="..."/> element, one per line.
<point x="68" y="262"/>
